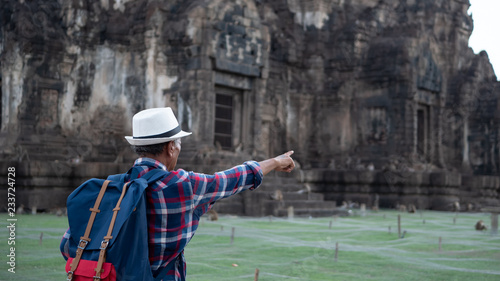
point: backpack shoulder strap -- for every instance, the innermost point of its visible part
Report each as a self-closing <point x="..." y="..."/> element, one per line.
<point x="117" y="177"/>
<point x="105" y="242"/>
<point x="150" y="176"/>
<point x="84" y="240"/>
<point x="154" y="175"/>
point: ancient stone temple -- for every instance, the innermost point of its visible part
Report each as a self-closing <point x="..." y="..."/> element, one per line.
<point x="382" y="101"/>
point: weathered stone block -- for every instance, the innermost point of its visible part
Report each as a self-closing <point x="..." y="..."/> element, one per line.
<point x="445" y="179"/>
<point x="226" y="65"/>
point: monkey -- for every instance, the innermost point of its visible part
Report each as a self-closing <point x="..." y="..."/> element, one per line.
<point x="480" y="225"/>
<point x="412" y="208"/>
<point x="402" y="208"/>
<point x="353" y="205"/>
<point x="277" y="195"/>
<point x="344" y="205"/>
<point x="470" y="207"/>
<point x="20" y="209"/>
<point x="212" y="215"/>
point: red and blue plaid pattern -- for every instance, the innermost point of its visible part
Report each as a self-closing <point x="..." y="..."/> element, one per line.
<point x="176" y="203"/>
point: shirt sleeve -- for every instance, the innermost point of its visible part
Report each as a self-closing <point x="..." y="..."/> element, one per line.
<point x="209" y="188"/>
<point x="64" y="246"/>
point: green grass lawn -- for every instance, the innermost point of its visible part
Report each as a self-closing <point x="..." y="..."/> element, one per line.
<point x="298" y="249"/>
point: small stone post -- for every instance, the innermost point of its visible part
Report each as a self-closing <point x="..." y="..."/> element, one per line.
<point x="494" y="223"/>
<point x="232" y="235"/>
<point x="336" y="251"/>
<point x="399" y="226"/>
<point x="290" y="213"/>
<point x="494" y="218"/>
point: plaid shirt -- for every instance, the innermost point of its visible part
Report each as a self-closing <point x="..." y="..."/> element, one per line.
<point x="176" y="203"/>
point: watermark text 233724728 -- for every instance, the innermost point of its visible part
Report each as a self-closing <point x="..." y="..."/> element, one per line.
<point x="11" y="221"/>
<point x="11" y="192"/>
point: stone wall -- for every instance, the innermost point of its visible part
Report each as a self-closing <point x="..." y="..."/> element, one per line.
<point x="348" y="84"/>
<point x="389" y="189"/>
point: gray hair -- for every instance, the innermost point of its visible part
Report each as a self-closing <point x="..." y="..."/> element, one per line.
<point x="153" y="149"/>
<point x="177" y="142"/>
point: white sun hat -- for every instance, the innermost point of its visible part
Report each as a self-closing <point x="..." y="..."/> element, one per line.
<point x="155" y="125"/>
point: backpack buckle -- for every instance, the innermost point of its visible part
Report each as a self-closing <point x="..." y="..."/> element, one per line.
<point x="84" y="242"/>
<point x="97" y="278"/>
<point x="104" y="244"/>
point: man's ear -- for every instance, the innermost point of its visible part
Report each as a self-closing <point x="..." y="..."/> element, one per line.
<point x="170" y="148"/>
<point x="166" y="148"/>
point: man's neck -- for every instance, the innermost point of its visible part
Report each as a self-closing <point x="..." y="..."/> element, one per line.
<point x="162" y="158"/>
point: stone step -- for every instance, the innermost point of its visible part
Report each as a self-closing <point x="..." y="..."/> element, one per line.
<point x="313" y="212"/>
<point x="45" y="148"/>
<point x="229" y="207"/>
<point x="280" y="180"/>
<point x="287" y="195"/>
<point x="303" y="196"/>
<point x="284" y="187"/>
<point x="301" y="207"/>
<point x="310" y="204"/>
<point x="271" y="206"/>
<point x="263" y="202"/>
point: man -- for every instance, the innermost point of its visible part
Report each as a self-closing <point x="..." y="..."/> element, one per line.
<point x="176" y="202"/>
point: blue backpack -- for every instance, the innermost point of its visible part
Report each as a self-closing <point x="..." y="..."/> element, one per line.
<point x="109" y="231"/>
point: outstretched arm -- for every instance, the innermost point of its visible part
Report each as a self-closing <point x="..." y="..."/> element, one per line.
<point x="281" y="163"/>
<point x="210" y="188"/>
